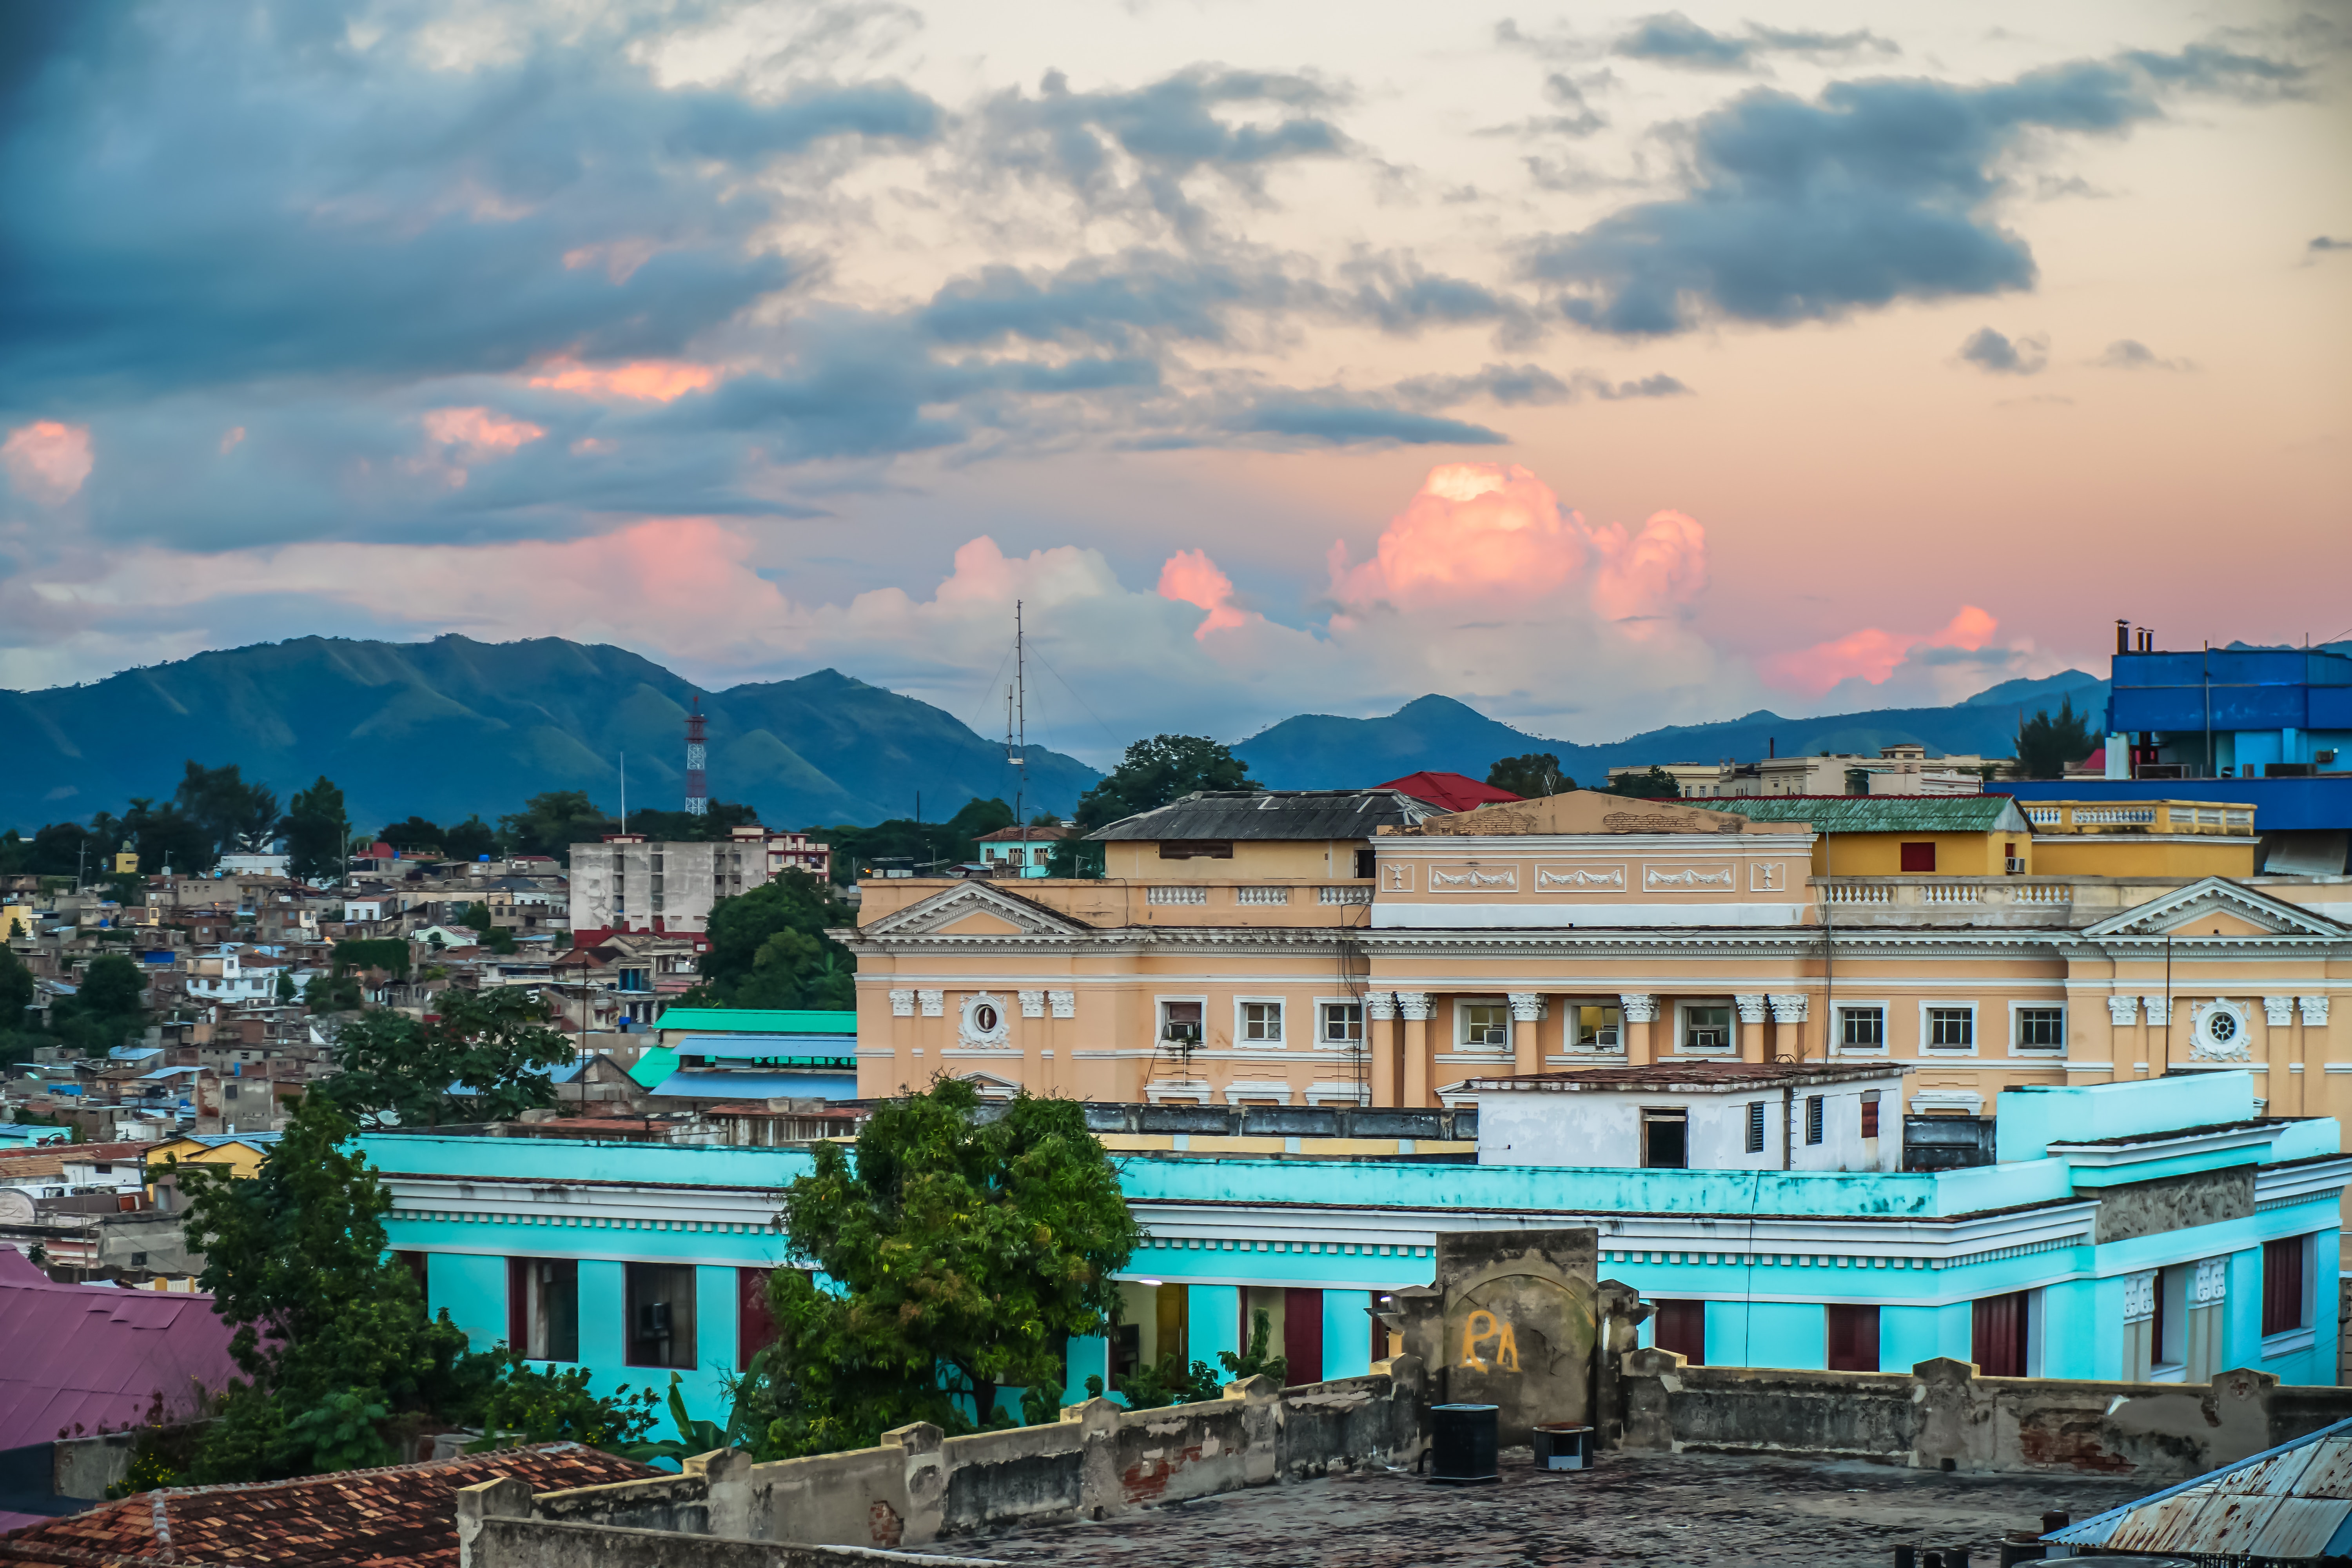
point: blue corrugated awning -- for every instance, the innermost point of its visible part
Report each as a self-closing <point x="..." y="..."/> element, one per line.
<point x="689" y="1084"/>
<point x="759" y="1048"/>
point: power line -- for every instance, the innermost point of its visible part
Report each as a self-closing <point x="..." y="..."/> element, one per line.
<point x="1080" y="701"/>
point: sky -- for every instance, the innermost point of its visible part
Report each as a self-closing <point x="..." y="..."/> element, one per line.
<point x="1604" y="369"/>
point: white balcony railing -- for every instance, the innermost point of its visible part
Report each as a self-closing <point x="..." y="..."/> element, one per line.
<point x="1262" y="895"/>
<point x="1343" y="895"/>
<point x="1180" y="895"/>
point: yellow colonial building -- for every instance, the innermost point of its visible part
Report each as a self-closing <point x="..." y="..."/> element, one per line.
<point x="1305" y="947"/>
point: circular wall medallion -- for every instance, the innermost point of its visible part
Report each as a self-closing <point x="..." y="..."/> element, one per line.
<point x="983" y="1022"/>
<point x="2220" y="1031"/>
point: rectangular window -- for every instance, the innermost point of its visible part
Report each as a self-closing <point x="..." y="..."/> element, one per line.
<point x="1485" y="1026"/>
<point x="1343" y="1023"/>
<point x="1920" y="856"/>
<point x="1813" y="1119"/>
<point x="1665" y="1139"/>
<point x="1706" y="1030"/>
<point x="1951" y="1028"/>
<point x="1870" y="1113"/>
<point x="543" y="1308"/>
<point x="1997" y="1336"/>
<point x="1863" y="1028"/>
<point x="1262" y="1022"/>
<point x="1196" y="849"/>
<point x="1756" y="1127"/>
<point x="661" y="1304"/>
<point x="2283" y="1285"/>
<point x="1681" y="1328"/>
<point x="2040" y="1029"/>
<point x="1179" y="1022"/>
<point x="1367" y="864"/>
<point x="1853" y="1337"/>
<point x="1600" y="1028"/>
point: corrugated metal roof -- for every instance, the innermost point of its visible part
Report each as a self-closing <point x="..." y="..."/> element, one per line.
<point x="759" y="1048"/>
<point x="690" y="1084"/>
<point x="1277" y="813"/>
<point x="2288" y="1504"/>
<point x="761" y="1020"/>
<point x="86" y="1356"/>
<point x="1881" y="813"/>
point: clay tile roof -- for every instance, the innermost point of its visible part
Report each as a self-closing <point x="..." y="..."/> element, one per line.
<point x="358" y="1518"/>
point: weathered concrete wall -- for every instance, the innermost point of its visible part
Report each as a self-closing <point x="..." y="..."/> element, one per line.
<point x="1097" y="1461"/>
<point x="1942" y="1415"/>
<point x="1512" y="1321"/>
<point x="496" y="1530"/>
<point x="2174" y="1202"/>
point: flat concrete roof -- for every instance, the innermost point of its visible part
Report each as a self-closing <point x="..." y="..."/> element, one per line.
<point x="1693" y="1078"/>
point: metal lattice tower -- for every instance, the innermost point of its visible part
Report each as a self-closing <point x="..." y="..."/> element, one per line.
<point x="697" y="782"/>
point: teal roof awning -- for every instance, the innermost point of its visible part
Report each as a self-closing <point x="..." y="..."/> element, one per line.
<point x="760" y="1020"/>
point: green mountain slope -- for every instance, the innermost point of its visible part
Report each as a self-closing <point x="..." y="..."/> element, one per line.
<point x="1318" y="751"/>
<point x="453" y="726"/>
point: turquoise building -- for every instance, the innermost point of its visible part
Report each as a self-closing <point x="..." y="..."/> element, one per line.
<point x="2147" y="1231"/>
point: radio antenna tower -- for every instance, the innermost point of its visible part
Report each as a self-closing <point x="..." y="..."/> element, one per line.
<point x="1017" y="727"/>
<point x="697" y="782"/>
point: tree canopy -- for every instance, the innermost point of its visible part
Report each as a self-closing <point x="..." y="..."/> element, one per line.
<point x="959" y="1252"/>
<point x="1656" y="785"/>
<point x="551" y="824"/>
<point x="926" y="844"/>
<point x="2045" y="746"/>
<point x="768" y="948"/>
<point x="1531" y="776"/>
<point x="232" y="815"/>
<point x="1159" y="770"/>
<point x="390" y="1066"/>
<point x="314" y="832"/>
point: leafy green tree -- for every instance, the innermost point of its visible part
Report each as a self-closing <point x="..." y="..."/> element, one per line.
<point x="470" y="839"/>
<point x="534" y="1404"/>
<point x="1157" y="771"/>
<point x="335" y="993"/>
<point x="959" y="1253"/>
<point x="411" y="835"/>
<point x="495" y="937"/>
<point x="107" y="1005"/>
<point x="769" y="949"/>
<point x="161" y="837"/>
<point x="926" y="844"/>
<point x="1656" y="785"/>
<point x="58" y="849"/>
<point x="17" y="993"/>
<point x="552" y="823"/>
<point x="2045" y="746"/>
<point x="314" y="832"/>
<point x="391" y="1067"/>
<point x="683" y="827"/>
<point x="230" y="813"/>
<point x="1530" y="776"/>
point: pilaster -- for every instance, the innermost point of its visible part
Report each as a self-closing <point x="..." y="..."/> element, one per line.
<point x="1752" y="1027"/>
<point x="1640" y="1010"/>
<point x="1416" y="1006"/>
<point x="1789" y="1012"/>
<point x="1383" y="1037"/>
<point x="1527" y="1012"/>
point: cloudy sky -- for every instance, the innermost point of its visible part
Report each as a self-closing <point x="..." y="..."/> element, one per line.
<point x="1605" y="369"/>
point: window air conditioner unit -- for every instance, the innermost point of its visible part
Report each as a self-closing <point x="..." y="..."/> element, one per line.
<point x="2017" y="865"/>
<point x="653" y="1321"/>
<point x="1182" y="1034"/>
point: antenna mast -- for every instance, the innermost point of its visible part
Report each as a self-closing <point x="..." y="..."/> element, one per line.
<point x="697" y="782"/>
<point x="1016" y="722"/>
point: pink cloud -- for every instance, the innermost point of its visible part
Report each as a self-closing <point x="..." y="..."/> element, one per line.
<point x="1192" y="578"/>
<point x="1871" y="654"/>
<point x="229" y="442"/>
<point x="654" y="380"/>
<point x="47" y="461"/>
<point x="1662" y="566"/>
<point x="478" y="432"/>
<point x="1472" y="530"/>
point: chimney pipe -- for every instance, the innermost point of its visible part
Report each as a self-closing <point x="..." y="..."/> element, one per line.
<point x="2122" y="636"/>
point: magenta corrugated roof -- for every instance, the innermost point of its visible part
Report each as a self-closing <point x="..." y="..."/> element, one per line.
<point x="96" y="1356"/>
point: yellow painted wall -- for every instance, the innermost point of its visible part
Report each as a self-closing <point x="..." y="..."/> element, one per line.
<point x="242" y="1159"/>
<point x="1316" y="860"/>
<point x="16" y="921"/>
<point x="1956" y="854"/>
<point x="2121" y="854"/>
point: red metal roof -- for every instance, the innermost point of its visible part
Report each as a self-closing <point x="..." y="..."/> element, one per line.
<point x="360" y="1518"/>
<point x="79" y="1358"/>
<point x="1449" y="791"/>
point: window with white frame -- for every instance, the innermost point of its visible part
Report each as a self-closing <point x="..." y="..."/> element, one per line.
<point x="1599" y="1027"/>
<point x="1261" y="1023"/>
<point x="1180" y="1021"/>
<point x="1707" y="1026"/>
<point x="1951" y="1029"/>
<point x="2040" y="1028"/>
<point x="1485" y="1025"/>
<point x="1863" y="1027"/>
<point x="1343" y="1023"/>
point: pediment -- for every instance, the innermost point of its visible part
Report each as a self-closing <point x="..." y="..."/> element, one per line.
<point x="2218" y="906"/>
<point x="1584" y="811"/>
<point x="974" y="909"/>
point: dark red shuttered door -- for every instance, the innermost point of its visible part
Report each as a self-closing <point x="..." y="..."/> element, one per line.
<point x="1682" y="1329"/>
<point x="1853" y="1338"/>
<point x="518" y="1305"/>
<point x="755" y="1326"/>
<point x="1302" y="1336"/>
<point x="2282" y="1286"/>
<point x="1999" y="1347"/>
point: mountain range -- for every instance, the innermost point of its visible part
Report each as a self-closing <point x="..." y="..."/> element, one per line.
<point x="451" y="727"/>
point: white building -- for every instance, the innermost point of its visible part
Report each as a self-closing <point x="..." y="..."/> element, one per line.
<point x="631" y="883"/>
<point x="1698" y="1116"/>
<point x="1905" y="769"/>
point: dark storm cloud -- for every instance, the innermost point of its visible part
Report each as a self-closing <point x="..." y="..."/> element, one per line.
<point x="1875" y="190"/>
<point x="202" y="194"/>
<point x="1671" y="39"/>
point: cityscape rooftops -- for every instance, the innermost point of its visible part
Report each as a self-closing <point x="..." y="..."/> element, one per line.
<point x="1449" y="791"/>
<point x="1293" y="814"/>
<point x="87" y="1357"/>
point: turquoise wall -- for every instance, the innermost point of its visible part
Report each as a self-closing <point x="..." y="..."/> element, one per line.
<point x="1213" y="1315"/>
<point x="1767" y="1334"/>
<point x="473" y="1291"/>
<point x="1347" y="1334"/>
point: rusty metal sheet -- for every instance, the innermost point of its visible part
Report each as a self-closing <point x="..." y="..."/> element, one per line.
<point x="2275" y="1475"/>
<point x="2295" y="1527"/>
<point x="2161" y="1525"/>
<point x="2329" y="1473"/>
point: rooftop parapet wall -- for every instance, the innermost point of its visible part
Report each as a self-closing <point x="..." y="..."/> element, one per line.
<point x="2028" y="1119"/>
<point x="1098" y="1460"/>
<point x="1942" y="1415"/>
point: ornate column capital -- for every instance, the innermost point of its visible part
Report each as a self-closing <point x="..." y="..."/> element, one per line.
<point x="2159" y="1010"/>
<point x="1064" y="1003"/>
<point x="2123" y="1010"/>
<point x="935" y="1003"/>
<point x="2213" y="1283"/>
<point x="1751" y="1008"/>
<point x="1033" y="1003"/>
<point x="1416" y="1005"/>
<point x="2314" y="1011"/>
<point x="1527" y="1007"/>
<point x="2278" y="1012"/>
<point x="2139" y="1297"/>
<point x="1640" y="1006"/>
<point x="1379" y="1006"/>
<point x="1789" y="1008"/>
<point x="902" y="1003"/>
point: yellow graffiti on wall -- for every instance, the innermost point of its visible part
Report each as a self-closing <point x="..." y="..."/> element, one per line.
<point x="1481" y="1326"/>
